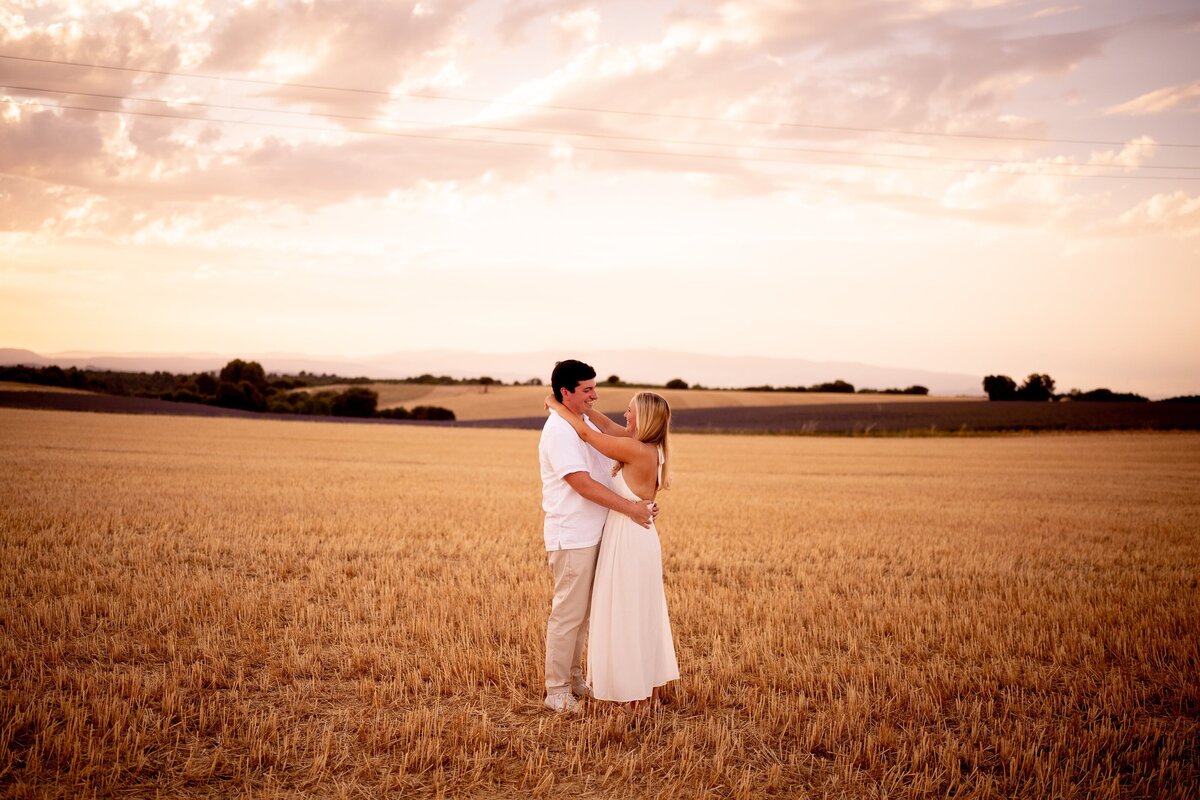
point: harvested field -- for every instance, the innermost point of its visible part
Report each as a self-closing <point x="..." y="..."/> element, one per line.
<point x="225" y="607"/>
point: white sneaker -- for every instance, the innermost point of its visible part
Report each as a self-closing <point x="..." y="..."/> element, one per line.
<point x="581" y="690"/>
<point x="562" y="702"/>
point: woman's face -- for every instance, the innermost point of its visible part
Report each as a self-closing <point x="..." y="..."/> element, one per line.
<point x="631" y="418"/>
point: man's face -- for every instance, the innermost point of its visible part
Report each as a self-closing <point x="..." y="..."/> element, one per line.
<point x="580" y="401"/>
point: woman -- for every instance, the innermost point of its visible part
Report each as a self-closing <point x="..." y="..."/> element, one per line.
<point x="630" y="651"/>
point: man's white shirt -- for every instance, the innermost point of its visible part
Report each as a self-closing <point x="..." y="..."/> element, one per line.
<point x="571" y="521"/>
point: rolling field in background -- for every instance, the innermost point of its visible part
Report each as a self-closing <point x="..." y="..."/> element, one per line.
<point x="693" y="411"/>
<point x="11" y="386"/>
<point x="199" y="607"/>
<point x="469" y="402"/>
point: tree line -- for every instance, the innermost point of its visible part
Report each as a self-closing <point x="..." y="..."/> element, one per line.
<point x="243" y="385"/>
<point x="246" y="385"/>
<point x="1038" y="387"/>
<point x="838" y="386"/>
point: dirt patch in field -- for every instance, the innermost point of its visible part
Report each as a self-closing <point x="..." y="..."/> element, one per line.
<point x="934" y="417"/>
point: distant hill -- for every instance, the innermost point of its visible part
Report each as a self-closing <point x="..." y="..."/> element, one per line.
<point x="10" y="356"/>
<point x="640" y="366"/>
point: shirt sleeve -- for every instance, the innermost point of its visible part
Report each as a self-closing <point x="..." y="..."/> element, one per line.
<point x="565" y="453"/>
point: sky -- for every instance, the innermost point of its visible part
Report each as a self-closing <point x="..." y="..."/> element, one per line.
<point x="973" y="186"/>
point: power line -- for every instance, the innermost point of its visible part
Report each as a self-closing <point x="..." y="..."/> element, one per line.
<point x="627" y="151"/>
<point x="607" y="136"/>
<point x="585" y="109"/>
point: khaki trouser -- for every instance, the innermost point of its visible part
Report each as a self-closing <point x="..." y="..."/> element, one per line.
<point x="566" y="630"/>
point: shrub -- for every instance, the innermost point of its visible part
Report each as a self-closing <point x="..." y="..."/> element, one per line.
<point x="839" y="386"/>
<point x="1105" y="396"/>
<point x="432" y="413"/>
<point x="183" y="396"/>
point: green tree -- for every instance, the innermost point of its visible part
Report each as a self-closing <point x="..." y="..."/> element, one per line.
<point x="612" y="380"/>
<point x="237" y="371"/>
<point x="206" y="384"/>
<point x="1000" y="387"/>
<point x="243" y="395"/>
<point x="357" y="401"/>
<point x="1037" y="387"/>
<point x="677" y="383"/>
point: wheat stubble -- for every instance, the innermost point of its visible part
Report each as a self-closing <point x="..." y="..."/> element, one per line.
<point x="199" y="607"/>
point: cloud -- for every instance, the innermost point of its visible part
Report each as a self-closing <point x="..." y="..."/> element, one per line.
<point x="367" y="44"/>
<point x="1132" y="155"/>
<point x="578" y="27"/>
<point x="1176" y="213"/>
<point x="1160" y="100"/>
<point x="866" y="64"/>
<point x="35" y="206"/>
<point x="863" y="64"/>
<point x="148" y="171"/>
<point x="42" y="143"/>
<point x="152" y="38"/>
<point x="519" y="15"/>
<point x="1054" y="11"/>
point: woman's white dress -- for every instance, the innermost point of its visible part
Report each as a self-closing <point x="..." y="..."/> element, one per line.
<point x="630" y="650"/>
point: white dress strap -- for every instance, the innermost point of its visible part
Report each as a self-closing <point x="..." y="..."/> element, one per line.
<point x="661" y="459"/>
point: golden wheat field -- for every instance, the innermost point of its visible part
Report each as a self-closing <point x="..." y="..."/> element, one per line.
<point x="209" y="607"/>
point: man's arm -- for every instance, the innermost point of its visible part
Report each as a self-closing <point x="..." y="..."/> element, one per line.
<point x="589" y="488"/>
<point x="618" y="448"/>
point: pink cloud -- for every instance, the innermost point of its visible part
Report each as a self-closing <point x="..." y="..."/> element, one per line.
<point x="369" y="44"/>
<point x="45" y="144"/>
<point x="1176" y="213"/>
<point x="517" y="17"/>
<point x="1160" y="100"/>
<point x="864" y="63"/>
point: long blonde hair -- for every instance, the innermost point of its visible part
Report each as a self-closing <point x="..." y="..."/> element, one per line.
<point x="653" y="427"/>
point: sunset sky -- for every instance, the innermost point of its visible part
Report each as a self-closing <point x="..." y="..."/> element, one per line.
<point x="975" y="187"/>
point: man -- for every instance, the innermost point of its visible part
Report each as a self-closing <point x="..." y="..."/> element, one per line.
<point x="576" y="495"/>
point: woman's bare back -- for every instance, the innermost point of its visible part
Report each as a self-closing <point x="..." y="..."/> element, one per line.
<point x="641" y="474"/>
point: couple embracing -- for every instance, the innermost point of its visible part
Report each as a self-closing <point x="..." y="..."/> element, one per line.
<point x="599" y="482"/>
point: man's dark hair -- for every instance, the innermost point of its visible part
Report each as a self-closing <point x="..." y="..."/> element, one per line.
<point x="568" y="374"/>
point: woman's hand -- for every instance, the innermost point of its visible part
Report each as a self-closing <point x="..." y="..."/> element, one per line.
<point x="549" y="403"/>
